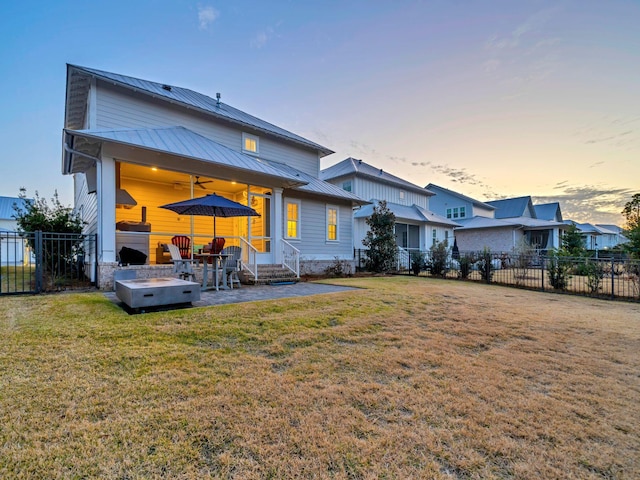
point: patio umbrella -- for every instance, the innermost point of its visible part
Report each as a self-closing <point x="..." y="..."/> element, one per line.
<point x="211" y="205"/>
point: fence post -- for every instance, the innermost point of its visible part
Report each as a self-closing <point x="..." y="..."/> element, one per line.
<point x="542" y="262"/>
<point x="613" y="282"/>
<point x="39" y="258"/>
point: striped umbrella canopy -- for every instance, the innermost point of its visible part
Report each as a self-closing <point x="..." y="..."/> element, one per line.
<point x="211" y="205"/>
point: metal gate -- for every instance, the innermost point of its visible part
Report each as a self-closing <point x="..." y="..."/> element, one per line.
<point x="38" y="262"/>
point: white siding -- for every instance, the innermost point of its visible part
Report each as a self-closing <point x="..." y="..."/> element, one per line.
<point x="116" y="108"/>
<point x="368" y="189"/>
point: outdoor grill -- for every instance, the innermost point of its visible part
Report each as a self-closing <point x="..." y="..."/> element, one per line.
<point x="130" y="226"/>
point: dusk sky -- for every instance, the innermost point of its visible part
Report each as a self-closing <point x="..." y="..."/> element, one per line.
<point x="492" y="99"/>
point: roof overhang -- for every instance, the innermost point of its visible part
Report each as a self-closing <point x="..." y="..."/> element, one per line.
<point x="171" y="148"/>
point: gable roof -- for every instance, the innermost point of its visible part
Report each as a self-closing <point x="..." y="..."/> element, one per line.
<point x="6" y="207"/>
<point x="437" y="189"/>
<point x="354" y="167"/>
<point x="526" y="223"/>
<point x="548" y="211"/>
<point x="513" y="207"/>
<point x="406" y="212"/>
<point x="78" y="82"/>
<point x="315" y="185"/>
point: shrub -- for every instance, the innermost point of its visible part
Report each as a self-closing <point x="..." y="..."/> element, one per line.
<point x="439" y="257"/>
<point x="485" y="266"/>
<point x="466" y="262"/>
<point x="558" y="268"/>
<point x="417" y="262"/>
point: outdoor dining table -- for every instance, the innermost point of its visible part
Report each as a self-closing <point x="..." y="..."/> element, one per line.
<point x="219" y="261"/>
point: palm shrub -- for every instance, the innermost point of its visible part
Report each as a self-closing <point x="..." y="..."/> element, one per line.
<point x="466" y="263"/>
<point x="484" y="265"/>
<point x="417" y="262"/>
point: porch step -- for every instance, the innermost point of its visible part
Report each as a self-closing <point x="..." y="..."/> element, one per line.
<point x="269" y="274"/>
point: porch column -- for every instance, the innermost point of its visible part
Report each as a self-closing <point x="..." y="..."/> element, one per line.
<point x="107" y="209"/>
<point x="278" y="224"/>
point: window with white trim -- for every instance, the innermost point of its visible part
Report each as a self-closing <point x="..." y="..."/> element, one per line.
<point x="250" y="143"/>
<point x="346" y="186"/>
<point x="434" y="234"/>
<point x="332" y="223"/>
<point x="456" y="212"/>
<point x="293" y="218"/>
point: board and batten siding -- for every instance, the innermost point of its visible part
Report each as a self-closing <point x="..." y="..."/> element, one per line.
<point x="313" y="243"/>
<point x="368" y="190"/>
<point x="116" y="107"/>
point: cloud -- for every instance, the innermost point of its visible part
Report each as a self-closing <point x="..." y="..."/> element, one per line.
<point x="618" y="132"/>
<point x="206" y="16"/>
<point x="264" y="36"/>
<point x="589" y="203"/>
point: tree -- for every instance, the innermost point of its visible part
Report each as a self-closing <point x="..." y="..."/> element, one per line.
<point x="632" y="228"/>
<point x="38" y="215"/>
<point x="380" y="239"/>
<point x="572" y="241"/>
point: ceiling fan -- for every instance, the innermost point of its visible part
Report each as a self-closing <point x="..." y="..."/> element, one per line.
<point x="201" y="184"/>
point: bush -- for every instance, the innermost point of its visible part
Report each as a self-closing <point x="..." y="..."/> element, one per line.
<point x="558" y="268"/>
<point x="439" y="257"/>
<point x="417" y="262"/>
<point x="466" y="263"/>
<point x="485" y="266"/>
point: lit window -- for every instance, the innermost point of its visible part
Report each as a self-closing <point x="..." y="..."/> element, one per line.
<point x="250" y="143"/>
<point x="332" y="223"/>
<point x="293" y="219"/>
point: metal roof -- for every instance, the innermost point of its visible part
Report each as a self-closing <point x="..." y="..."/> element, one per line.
<point x="513" y="207"/>
<point x="527" y="223"/>
<point x="406" y="212"/>
<point x="177" y="141"/>
<point x="548" y="211"/>
<point x="352" y="166"/>
<point x="6" y="207"/>
<point x="435" y="188"/>
<point x="315" y="185"/>
<point x="77" y="88"/>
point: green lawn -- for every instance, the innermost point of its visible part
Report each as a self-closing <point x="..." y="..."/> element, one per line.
<point x="405" y="378"/>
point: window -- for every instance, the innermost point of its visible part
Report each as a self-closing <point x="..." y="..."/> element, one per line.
<point x="332" y="223"/>
<point x="346" y="186"/>
<point x="434" y="234"/>
<point x="401" y="195"/>
<point x="446" y="236"/>
<point x="250" y="143"/>
<point x="457" y="212"/>
<point x="293" y="218"/>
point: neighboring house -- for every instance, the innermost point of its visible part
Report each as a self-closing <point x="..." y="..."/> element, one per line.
<point x="133" y="145"/>
<point x="549" y="211"/>
<point x="500" y="225"/>
<point x="456" y="206"/>
<point x="611" y="235"/>
<point x="12" y="247"/>
<point x="417" y="228"/>
<point x="599" y="237"/>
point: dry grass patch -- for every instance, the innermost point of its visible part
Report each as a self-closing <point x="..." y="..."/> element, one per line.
<point x="406" y="378"/>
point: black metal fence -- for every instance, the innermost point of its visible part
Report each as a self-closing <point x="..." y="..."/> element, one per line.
<point x="38" y="262"/>
<point x="616" y="277"/>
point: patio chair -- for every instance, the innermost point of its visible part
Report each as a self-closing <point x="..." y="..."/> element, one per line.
<point x="232" y="265"/>
<point x="184" y="245"/>
<point x="182" y="266"/>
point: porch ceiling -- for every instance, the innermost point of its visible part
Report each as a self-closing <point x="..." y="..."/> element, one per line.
<point x="173" y="148"/>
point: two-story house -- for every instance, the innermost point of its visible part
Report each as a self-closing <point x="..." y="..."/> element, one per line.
<point x="133" y="145"/>
<point x="500" y="225"/>
<point x="417" y="227"/>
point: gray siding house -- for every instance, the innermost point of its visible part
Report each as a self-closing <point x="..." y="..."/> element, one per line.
<point x="133" y="145"/>
<point x="417" y="227"/>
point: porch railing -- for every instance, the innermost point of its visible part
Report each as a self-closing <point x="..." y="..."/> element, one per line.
<point x="290" y="257"/>
<point x="404" y="259"/>
<point x="249" y="257"/>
